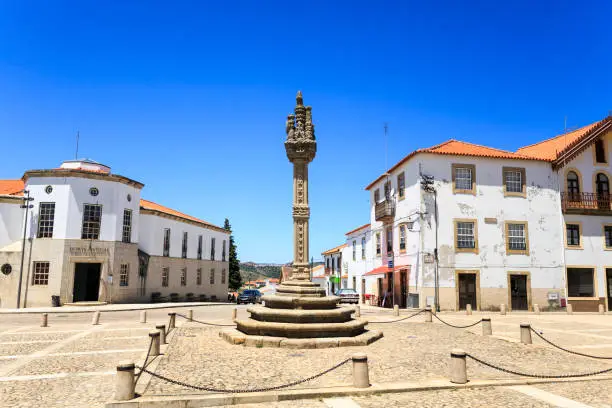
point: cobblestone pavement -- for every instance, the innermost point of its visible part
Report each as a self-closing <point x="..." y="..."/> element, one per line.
<point x="71" y="363"/>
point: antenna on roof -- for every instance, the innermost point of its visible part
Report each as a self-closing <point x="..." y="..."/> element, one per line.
<point x="386" y="127"/>
<point x="76" y="153"/>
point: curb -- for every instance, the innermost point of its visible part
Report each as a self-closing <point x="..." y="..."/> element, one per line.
<point x="61" y="310"/>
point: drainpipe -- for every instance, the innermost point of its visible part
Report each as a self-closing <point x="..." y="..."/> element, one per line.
<point x="563" y="253"/>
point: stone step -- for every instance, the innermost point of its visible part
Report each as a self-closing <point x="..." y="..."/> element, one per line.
<point x="264" y="314"/>
<point x="301" y="330"/>
<point x="296" y="302"/>
<point x="300" y="291"/>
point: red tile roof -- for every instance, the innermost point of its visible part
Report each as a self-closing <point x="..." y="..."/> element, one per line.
<point x="336" y="249"/>
<point x="150" y="205"/>
<point x="11" y="187"/>
<point x="357" y="229"/>
<point x="381" y="270"/>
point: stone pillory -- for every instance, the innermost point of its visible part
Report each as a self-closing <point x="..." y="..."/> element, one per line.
<point x="300" y="309"/>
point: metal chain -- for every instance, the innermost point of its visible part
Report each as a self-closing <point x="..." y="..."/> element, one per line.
<point x="206" y="323"/>
<point x="506" y="370"/>
<point x="144" y="364"/>
<point x="399" y="320"/>
<point x="239" y="391"/>
<point x="566" y="350"/>
<point x="452" y="325"/>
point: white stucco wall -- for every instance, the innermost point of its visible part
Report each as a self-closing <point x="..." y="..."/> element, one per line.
<point x="11" y="222"/>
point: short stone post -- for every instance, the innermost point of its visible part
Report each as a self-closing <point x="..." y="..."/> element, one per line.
<point x="96" y="318"/>
<point x="395" y="310"/>
<point x="525" y="333"/>
<point x="155" y="339"/>
<point x="124" y="381"/>
<point x="428" y="314"/>
<point x="357" y="311"/>
<point x="569" y="308"/>
<point x="44" y="320"/>
<point x="162" y="333"/>
<point x="361" y="376"/>
<point x="458" y="367"/>
<point x="536" y="309"/>
<point x="468" y="309"/>
<point x="190" y="315"/>
<point x="502" y="309"/>
<point x="171" y="321"/>
<point x="601" y="309"/>
<point x="234" y="313"/>
<point x="487" y="330"/>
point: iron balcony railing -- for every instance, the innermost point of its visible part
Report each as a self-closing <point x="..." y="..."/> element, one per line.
<point x="585" y="202"/>
<point x="385" y="210"/>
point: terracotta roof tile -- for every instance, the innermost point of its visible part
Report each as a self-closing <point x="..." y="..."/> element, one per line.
<point x="336" y="249"/>
<point x="11" y="187"/>
<point x="150" y="205"/>
<point x="357" y="229"/>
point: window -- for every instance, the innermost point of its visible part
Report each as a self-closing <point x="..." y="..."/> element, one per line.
<point x="363" y="248"/>
<point x="401" y="185"/>
<point x="580" y="282"/>
<point x="608" y="236"/>
<point x="184" y="248"/>
<point x="600" y="151"/>
<point x="124" y="275"/>
<point x="212" y="249"/>
<point x="402" y="238"/>
<point x="516" y="238"/>
<point x="602" y="186"/>
<point x="166" y="241"/>
<point x="223" y="252"/>
<point x="376" y="196"/>
<point x="199" y="276"/>
<point x="212" y="276"/>
<point x="573" y="184"/>
<point x="338" y="261"/>
<point x="389" y="240"/>
<point x="327" y="260"/>
<point x="573" y="235"/>
<point x="165" y="277"/>
<point x="466" y="236"/>
<point x="378" y="244"/>
<point x="184" y="277"/>
<point x="46" y="217"/>
<point x="223" y="276"/>
<point x="514" y="181"/>
<point x="464" y="178"/>
<point x="199" y="247"/>
<point x="127" y="226"/>
<point x="92" y="215"/>
<point x="354" y="250"/>
<point x="41" y="273"/>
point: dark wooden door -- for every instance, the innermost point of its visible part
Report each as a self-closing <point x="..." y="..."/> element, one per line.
<point x="404" y="289"/>
<point x="609" y="285"/>
<point x="518" y="292"/>
<point x="467" y="290"/>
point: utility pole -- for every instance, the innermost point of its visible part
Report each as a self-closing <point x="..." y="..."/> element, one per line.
<point x="427" y="184"/>
<point x="26" y="205"/>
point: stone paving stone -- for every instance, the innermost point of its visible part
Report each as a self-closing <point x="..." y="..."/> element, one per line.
<point x="105" y="344"/>
<point x="21" y="348"/>
<point x="77" y="363"/>
<point x="37" y="336"/>
<point x="283" y="404"/>
<point x="594" y="393"/>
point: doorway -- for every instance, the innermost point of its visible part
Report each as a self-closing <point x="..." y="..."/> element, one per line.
<point x="379" y="283"/>
<point x="467" y="290"/>
<point x="518" y="292"/>
<point x="363" y="290"/>
<point x="403" y="289"/>
<point x="86" y="282"/>
<point x="609" y="286"/>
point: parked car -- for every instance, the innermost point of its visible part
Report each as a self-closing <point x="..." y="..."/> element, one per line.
<point x="249" y="296"/>
<point x="348" y="295"/>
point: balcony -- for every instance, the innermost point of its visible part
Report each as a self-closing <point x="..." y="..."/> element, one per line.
<point x="586" y="203"/>
<point x="385" y="211"/>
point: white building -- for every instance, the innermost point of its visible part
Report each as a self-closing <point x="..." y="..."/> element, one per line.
<point x="332" y="259"/>
<point x="492" y="226"/>
<point x="90" y="237"/>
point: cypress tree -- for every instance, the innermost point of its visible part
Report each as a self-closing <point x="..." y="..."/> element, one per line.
<point x="235" y="280"/>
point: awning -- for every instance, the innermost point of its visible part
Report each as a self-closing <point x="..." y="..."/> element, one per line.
<point x="381" y="270"/>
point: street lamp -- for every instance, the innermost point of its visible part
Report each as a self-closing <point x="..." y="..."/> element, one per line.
<point x="427" y="184"/>
<point x="26" y="206"/>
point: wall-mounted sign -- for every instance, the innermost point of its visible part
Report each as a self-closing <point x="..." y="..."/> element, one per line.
<point x="490" y="220"/>
<point x="77" y="251"/>
<point x="428" y="258"/>
<point x="553" y="296"/>
<point x="390" y="263"/>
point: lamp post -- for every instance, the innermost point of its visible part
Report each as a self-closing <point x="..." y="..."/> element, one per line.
<point x="427" y="183"/>
<point x="26" y="206"/>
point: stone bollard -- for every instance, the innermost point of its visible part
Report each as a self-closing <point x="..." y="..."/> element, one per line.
<point x="124" y="381"/>
<point x="44" y="320"/>
<point x="96" y="318"/>
<point x="468" y="309"/>
<point x="162" y="333"/>
<point x="357" y="311"/>
<point x="395" y="310"/>
<point x="428" y="314"/>
<point x="234" y="313"/>
<point x="361" y="376"/>
<point x="569" y="308"/>
<point x="155" y="339"/>
<point x="171" y="321"/>
<point x="458" y="367"/>
<point x="536" y="309"/>
<point x="602" y="309"/>
<point x="525" y="333"/>
<point x="190" y="315"/>
<point x="487" y="330"/>
<point x="502" y="309"/>
<point x="143" y="316"/>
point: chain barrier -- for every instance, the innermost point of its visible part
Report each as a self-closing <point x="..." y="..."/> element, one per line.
<point x="144" y="364"/>
<point x="452" y="325"/>
<point x="509" y="371"/>
<point x="566" y="350"/>
<point x="244" y="390"/>
<point x="206" y="323"/>
<point x="399" y="320"/>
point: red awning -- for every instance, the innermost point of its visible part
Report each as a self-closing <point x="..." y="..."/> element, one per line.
<point x="381" y="270"/>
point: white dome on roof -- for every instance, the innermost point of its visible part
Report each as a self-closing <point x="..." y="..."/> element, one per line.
<point x="85" y="164"/>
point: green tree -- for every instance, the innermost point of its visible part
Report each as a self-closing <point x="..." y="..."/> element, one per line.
<point x="235" y="280"/>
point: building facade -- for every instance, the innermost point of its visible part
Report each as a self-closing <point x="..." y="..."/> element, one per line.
<point x="90" y="237"/>
<point x="332" y="260"/>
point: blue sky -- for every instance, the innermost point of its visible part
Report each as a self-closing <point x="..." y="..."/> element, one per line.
<point x="191" y="97"/>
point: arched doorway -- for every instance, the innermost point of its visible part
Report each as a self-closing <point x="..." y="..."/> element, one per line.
<point x="602" y="186"/>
